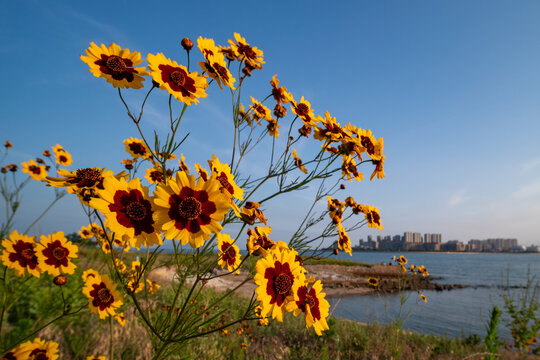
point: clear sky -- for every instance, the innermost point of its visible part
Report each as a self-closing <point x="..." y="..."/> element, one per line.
<point x="452" y="86"/>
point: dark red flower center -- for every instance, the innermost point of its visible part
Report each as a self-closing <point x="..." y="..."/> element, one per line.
<point x="86" y="177"/>
<point x="62" y="159"/>
<point x="178" y="78"/>
<point x="136" y="211"/>
<point x="246" y="50"/>
<point x="368" y="144"/>
<point x="59" y="253"/>
<point x="309" y="300"/>
<point x="222" y="71"/>
<point x="229" y="253"/>
<point x="38" y="354"/>
<point x="104" y="295"/>
<point x="27" y="253"/>
<point x="137" y="148"/>
<point x="224" y="180"/>
<point x="115" y="63"/>
<point x="282" y="283"/>
<point x="35" y="169"/>
<point x="302" y="109"/>
<point x="156" y="176"/>
<point x="373" y="217"/>
<point x="189" y="208"/>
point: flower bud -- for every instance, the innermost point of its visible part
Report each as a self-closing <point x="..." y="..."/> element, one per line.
<point x="280" y="111"/>
<point x="46" y="153"/>
<point x="60" y="280"/>
<point x="8" y="144"/>
<point x="128" y="166"/>
<point x="187" y="44"/>
<point x="3" y="170"/>
<point x="336" y="251"/>
<point x="40" y="161"/>
<point x="342" y="186"/>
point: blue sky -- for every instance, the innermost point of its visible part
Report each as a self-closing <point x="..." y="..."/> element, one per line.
<point x="453" y="87"/>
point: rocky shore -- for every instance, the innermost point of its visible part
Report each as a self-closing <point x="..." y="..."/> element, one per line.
<point x="338" y="280"/>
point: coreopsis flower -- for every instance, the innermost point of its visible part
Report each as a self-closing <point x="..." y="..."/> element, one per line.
<point x="90" y="273"/>
<point x="251" y="212"/>
<point x="154" y="175"/>
<point x="423" y="297"/>
<point x="121" y="319"/>
<point x="185" y="86"/>
<point x="182" y="163"/>
<point x="103" y="298"/>
<point x="335" y="209"/>
<point x="86" y="231"/>
<point x="423" y="271"/>
<point x="55" y="252"/>
<point x="373" y="281"/>
<point x="116" y="65"/>
<point x="36" y="172"/>
<point x="259" y="111"/>
<point x="189" y="211"/>
<point x="222" y="173"/>
<point x="298" y="162"/>
<point x="229" y="253"/>
<point x="330" y="130"/>
<point x="344" y="242"/>
<point x="314" y="306"/>
<point x="37" y="349"/>
<point x="273" y="128"/>
<point x="304" y="111"/>
<point x="258" y="241"/>
<point x="120" y="265"/>
<point x="280" y="93"/>
<point x="244" y="52"/>
<point x="214" y="63"/>
<point x="368" y="143"/>
<point x="379" y="169"/>
<point x="137" y="148"/>
<point x="20" y="254"/>
<point x="349" y="169"/>
<point x="202" y="172"/>
<point x="135" y="285"/>
<point x="244" y="115"/>
<point x="278" y="276"/>
<point x="63" y="158"/>
<point x="101" y="357"/>
<point x="152" y="286"/>
<point x="373" y="217"/>
<point x="129" y="211"/>
<point x="228" y="52"/>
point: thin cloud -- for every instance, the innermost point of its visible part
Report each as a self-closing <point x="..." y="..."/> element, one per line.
<point x="458" y="197"/>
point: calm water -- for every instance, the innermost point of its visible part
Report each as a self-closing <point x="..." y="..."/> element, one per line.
<point x="451" y="313"/>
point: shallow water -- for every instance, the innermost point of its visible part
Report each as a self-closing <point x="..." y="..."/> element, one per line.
<point x="452" y="313"/>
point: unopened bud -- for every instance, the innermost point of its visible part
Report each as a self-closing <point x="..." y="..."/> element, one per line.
<point x="40" y="161"/>
<point x="128" y="166"/>
<point x="46" y="153"/>
<point x="342" y="186"/>
<point x="47" y="168"/>
<point x="280" y="111"/>
<point x="8" y="144"/>
<point x="336" y="251"/>
<point x="60" y="280"/>
<point x="3" y="170"/>
<point x="187" y="44"/>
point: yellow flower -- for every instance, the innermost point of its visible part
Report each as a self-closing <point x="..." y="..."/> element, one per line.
<point x="116" y="65"/>
<point x="373" y="217"/>
<point x="350" y="170"/>
<point x="137" y="148"/>
<point x="251" y="212"/>
<point x="222" y="173"/>
<point x="280" y="93"/>
<point x="63" y="157"/>
<point x="36" y="172"/>
<point x="402" y="260"/>
<point x="20" y="254"/>
<point x="315" y="307"/>
<point x="304" y="111"/>
<point x="103" y="298"/>
<point x="202" y="172"/>
<point x="55" y="252"/>
<point x="298" y="162"/>
<point x="229" y="253"/>
<point x="152" y="286"/>
<point x="379" y="169"/>
<point x="100" y="357"/>
<point x="154" y="175"/>
<point x="121" y="318"/>
<point x="37" y="349"/>
<point x="344" y="242"/>
<point x="185" y="86"/>
<point x="244" y="52"/>
<point x="273" y="128"/>
<point x="373" y="281"/>
<point x="423" y="297"/>
<point x="88" y="232"/>
<point x="189" y="211"/>
<point x="369" y="144"/>
<point x="258" y="241"/>
<point x="215" y="65"/>
<point x="331" y="130"/>
<point x="278" y="276"/>
<point x="259" y="111"/>
<point x="90" y="273"/>
<point x="129" y="211"/>
<point x="182" y="163"/>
